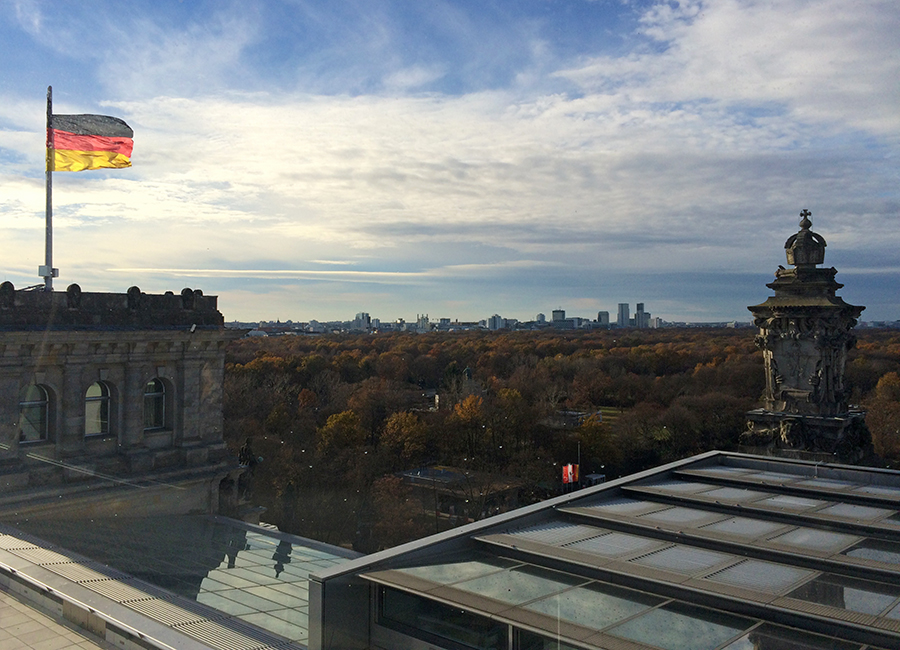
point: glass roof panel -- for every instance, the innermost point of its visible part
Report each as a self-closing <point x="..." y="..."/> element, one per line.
<point x="735" y="494"/>
<point x="771" y="636"/>
<point x="893" y="521"/>
<point x="624" y="506"/>
<point x="877" y="550"/>
<point x="683" y="559"/>
<point x="455" y="571"/>
<point x="614" y="545"/>
<point x="724" y="470"/>
<point x="880" y="490"/>
<point x="679" y="515"/>
<point x="762" y="576"/>
<point x="820" y="540"/>
<point x="519" y="585"/>
<point x="675" y="627"/>
<point x="774" y="477"/>
<point x="745" y="526"/>
<point x="242" y="571"/>
<point x="864" y="596"/>
<point x="557" y="533"/>
<point x="595" y="606"/>
<point x="894" y="613"/>
<point x="788" y="502"/>
<point x="827" y="483"/>
<point x="687" y="487"/>
<point x="854" y="511"/>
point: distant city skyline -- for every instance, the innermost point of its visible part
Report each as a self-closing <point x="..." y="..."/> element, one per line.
<point x="462" y="158"/>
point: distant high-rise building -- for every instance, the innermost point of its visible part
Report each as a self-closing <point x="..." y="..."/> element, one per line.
<point x="540" y="318"/>
<point x="559" y="315"/>
<point x="496" y="322"/>
<point x="623" y="317"/>
<point x="603" y="318"/>
<point x="362" y="321"/>
<point x="641" y="317"/>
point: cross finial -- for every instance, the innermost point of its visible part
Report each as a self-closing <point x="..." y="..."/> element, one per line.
<point x="805" y="223"/>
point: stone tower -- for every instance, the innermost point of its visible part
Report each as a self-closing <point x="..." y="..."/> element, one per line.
<point x="805" y="334"/>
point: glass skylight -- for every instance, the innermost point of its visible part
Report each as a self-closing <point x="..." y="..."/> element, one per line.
<point x="734" y="494"/>
<point x="520" y="585"/>
<point x="774" y="477"/>
<point x="615" y="545"/>
<point x="862" y="596"/>
<point x="556" y="533"/>
<point x="683" y="559"/>
<point x="455" y="571"/>
<point x="820" y="540"/>
<point x="596" y="606"/>
<point x="855" y="511"/>
<point x="681" y="487"/>
<point x="761" y="576"/>
<point x="744" y="526"/>
<point x="771" y="636"/>
<point x="624" y="506"/>
<point x="674" y="627"/>
<point x="788" y="502"/>
<point x="877" y="550"/>
<point x="679" y="515"/>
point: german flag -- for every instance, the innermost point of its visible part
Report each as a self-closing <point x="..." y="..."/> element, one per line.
<point x="79" y="142"/>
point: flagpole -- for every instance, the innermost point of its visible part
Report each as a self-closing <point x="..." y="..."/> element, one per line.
<point x="47" y="270"/>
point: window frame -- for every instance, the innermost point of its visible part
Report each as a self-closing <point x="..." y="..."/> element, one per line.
<point x="155" y="404"/>
<point x="104" y="410"/>
<point x="34" y="404"/>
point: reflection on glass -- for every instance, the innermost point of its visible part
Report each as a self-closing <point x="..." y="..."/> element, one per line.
<point x="96" y="410"/>
<point x="520" y="585"/>
<point x="876" y="550"/>
<point x="676" y="627"/>
<point x="595" y="606"/>
<point x="455" y="571"/>
<point x="429" y="620"/>
<point x="154" y="405"/>
<point x="862" y="596"/>
<point x="532" y="641"/>
<point x="33" y="414"/>
<point x="771" y="637"/>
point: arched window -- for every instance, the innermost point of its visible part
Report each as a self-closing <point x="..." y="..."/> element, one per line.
<point x="154" y="405"/>
<point x="96" y="410"/>
<point x="34" y="412"/>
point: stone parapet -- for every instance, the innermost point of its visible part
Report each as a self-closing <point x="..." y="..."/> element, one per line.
<point x="135" y="310"/>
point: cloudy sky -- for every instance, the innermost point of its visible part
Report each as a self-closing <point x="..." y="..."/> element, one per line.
<point x="315" y="158"/>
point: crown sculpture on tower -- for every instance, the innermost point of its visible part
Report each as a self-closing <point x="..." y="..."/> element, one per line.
<point x="805" y="334"/>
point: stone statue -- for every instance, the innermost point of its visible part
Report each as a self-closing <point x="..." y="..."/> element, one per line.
<point x="804" y="335"/>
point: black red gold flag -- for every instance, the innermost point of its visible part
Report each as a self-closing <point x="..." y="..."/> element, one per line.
<point x="79" y="142"/>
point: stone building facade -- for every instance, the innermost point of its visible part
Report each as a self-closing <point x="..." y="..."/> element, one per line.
<point x="101" y="390"/>
<point x="805" y="333"/>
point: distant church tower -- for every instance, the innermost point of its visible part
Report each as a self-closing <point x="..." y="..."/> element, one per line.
<point x="805" y="334"/>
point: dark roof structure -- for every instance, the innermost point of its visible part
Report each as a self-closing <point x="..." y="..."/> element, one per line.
<point x="720" y="551"/>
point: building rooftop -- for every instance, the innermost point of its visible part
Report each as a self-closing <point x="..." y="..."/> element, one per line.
<point x="196" y="582"/>
<point x="721" y="551"/>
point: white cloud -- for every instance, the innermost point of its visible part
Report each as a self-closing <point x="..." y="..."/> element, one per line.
<point x="695" y="152"/>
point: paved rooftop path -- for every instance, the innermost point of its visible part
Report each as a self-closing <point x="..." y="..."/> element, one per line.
<point x="23" y="627"/>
